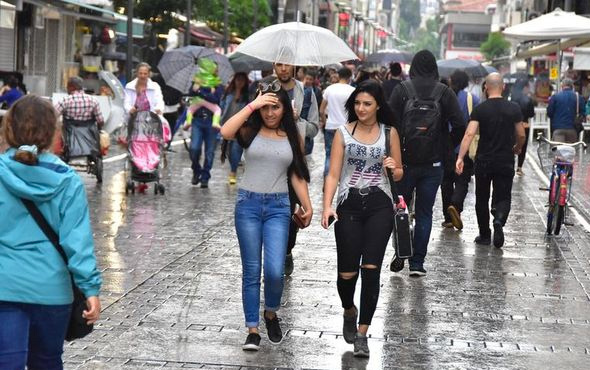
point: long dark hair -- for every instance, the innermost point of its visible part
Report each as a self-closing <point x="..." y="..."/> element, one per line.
<point x="374" y="89"/>
<point x="231" y="88"/>
<point x="248" y="132"/>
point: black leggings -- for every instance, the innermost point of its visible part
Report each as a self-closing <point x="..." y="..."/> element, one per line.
<point x="362" y="235"/>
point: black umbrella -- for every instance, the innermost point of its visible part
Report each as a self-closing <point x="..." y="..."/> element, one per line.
<point x="246" y="63"/>
<point x="384" y="57"/>
<point x="472" y="67"/>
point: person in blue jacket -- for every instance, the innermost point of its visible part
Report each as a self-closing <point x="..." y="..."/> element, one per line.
<point x="562" y="110"/>
<point x="203" y="132"/>
<point x="11" y="92"/>
<point x="35" y="284"/>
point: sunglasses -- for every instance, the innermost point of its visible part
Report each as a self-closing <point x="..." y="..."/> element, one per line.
<point x="272" y="86"/>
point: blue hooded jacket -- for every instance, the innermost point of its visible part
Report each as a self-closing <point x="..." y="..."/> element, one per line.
<point x="31" y="269"/>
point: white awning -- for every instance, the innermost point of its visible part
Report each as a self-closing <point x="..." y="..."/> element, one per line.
<point x="551" y="26"/>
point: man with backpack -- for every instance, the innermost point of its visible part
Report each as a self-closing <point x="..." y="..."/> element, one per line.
<point x="421" y="109"/>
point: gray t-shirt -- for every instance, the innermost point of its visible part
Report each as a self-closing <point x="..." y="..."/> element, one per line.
<point x="267" y="164"/>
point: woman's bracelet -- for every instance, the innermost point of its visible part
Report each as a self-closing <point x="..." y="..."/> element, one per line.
<point x="250" y="107"/>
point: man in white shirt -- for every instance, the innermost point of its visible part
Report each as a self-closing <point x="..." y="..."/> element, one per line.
<point x="335" y="96"/>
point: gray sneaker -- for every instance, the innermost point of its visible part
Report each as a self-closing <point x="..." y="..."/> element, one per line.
<point x="361" y="347"/>
<point x="349" y="327"/>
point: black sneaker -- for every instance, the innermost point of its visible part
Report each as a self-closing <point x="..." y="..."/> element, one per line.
<point x="195" y="180"/>
<point x="289" y="266"/>
<point x="361" y="346"/>
<point x="397" y="264"/>
<point x="273" y="329"/>
<point x="498" y="235"/>
<point x="417" y="271"/>
<point x="349" y="327"/>
<point x="204" y="184"/>
<point x="483" y="240"/>
<point x="252" y="342"/>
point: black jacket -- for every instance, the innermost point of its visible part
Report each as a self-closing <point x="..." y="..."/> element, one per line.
<point x="451" y="112"/>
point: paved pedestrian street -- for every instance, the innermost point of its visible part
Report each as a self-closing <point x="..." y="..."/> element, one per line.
<point x="172" y="288"/>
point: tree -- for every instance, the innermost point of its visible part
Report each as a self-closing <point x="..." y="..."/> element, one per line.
<point x="495" y="46"/>
<point x="240" y="19"/>
<point x="428" y="38"/>
<point x="409" y="18"/>
<point x="240" y="15"/>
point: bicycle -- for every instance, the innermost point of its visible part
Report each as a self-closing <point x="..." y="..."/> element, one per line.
<point x="562" y="157"/>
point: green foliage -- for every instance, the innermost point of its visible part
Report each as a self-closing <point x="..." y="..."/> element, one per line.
<point x="240" y="15"/>
<point x="428" y="38"/>
<point x="409" y="18"/>
<point x="211" y="11"/>
<point x="495" y="46"/>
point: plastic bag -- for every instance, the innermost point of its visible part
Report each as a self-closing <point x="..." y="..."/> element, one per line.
<point x="105" y="142"/>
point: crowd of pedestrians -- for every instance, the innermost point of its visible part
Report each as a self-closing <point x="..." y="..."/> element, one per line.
<point x="427" y="133"/>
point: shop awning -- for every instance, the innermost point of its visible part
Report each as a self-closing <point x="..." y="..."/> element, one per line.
<point x="550" y="48"/>
<point x="120" y="20"/>
<point x="199" y="34"/>
<point x="62" y="10"/>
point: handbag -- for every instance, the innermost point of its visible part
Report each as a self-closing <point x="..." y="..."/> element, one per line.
<point x="77" y="325"/>
<point x="402" y="238"/>
<point x="579" y="120"/>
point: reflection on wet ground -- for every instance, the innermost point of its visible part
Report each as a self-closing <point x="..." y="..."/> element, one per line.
<point x="172" y="292"/>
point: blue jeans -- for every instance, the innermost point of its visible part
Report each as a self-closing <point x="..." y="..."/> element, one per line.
<point x="200" y="135"/>
<point x="262" y="221"/>
<point x="328" y="139"/>
<point x="32" y="335"/>
<point x="235" y="155"/>
<point x="425" y="180"/>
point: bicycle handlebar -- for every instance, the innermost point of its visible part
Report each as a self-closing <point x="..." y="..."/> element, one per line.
<point x="540" y="137"/>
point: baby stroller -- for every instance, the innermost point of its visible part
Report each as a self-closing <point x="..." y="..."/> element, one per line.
<point x="81" y="146"/>
<point x="145" y="144"/>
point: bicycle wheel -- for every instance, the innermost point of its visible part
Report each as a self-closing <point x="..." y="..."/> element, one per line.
<point x="558" y="218"/>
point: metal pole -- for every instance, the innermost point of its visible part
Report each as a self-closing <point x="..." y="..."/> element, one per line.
<point x="187" y="27"/>
<point x="255" y="14"/>
<point x="129" y="61"/>
<point x="559" y="57"/>
<point x="225" y="26"/>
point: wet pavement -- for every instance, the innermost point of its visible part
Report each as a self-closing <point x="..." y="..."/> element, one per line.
<point x="172" y="283"/>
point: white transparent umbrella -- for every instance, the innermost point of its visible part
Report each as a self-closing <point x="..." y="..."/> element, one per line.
<point x="297" y="43"/>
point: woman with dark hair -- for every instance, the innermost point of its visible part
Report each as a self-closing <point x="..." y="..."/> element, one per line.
<point x="273" y="149"/>
<point x="233" y="100"/>
<point x="520" y="96"/>
<point x="365" y="205"/>
<point x="36" y="289"/>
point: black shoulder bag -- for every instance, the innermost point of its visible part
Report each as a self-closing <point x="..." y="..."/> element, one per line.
<point x="77" y="326"/>
<point x="402" y="228"/>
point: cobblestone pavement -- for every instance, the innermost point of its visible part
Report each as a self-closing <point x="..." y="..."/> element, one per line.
<point x="172" y="282"/>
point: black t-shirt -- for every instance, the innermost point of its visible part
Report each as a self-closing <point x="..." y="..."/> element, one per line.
<point x="497" y="118"/>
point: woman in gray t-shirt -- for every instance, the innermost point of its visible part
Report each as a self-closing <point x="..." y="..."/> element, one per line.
<point x="273" y="149"/>
<point x="365" y="206"/>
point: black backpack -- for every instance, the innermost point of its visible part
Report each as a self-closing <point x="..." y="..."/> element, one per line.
<point x="421" y="126"/>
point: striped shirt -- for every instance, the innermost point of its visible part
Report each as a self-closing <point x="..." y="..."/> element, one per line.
<point x="80" y="107"/>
